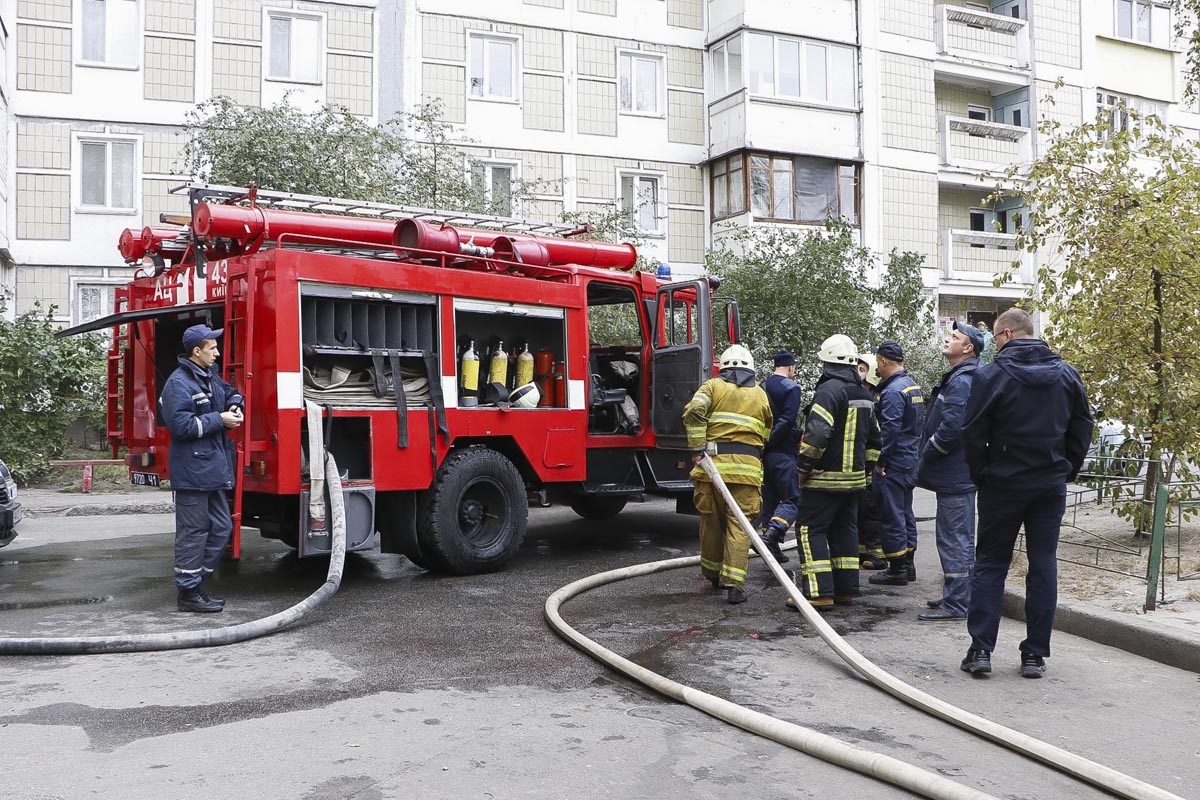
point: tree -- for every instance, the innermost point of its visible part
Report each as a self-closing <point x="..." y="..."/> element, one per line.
<point x="45" y="384"/>
<point x="1187" y="28"/>
<point x="1115" y="215"/>
<point x="796" y="288"/>
<point x="414" y="159"/>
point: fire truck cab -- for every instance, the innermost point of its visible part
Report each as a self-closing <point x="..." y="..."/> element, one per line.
<point x="368" y="313"/>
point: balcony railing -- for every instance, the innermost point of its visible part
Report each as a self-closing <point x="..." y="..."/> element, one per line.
<point x="980" y="36"/>
<point x="979" y="255"/>
<point x="975" y="145"/>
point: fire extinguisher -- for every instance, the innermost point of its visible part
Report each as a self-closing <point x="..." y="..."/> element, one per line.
<point x="560" y="385"/>
<point x="468" y="377"/>
<point x="543" y="367"/>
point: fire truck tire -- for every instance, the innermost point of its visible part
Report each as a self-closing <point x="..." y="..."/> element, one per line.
<point x="472" y="520"/>
<point x="591" y="506"/>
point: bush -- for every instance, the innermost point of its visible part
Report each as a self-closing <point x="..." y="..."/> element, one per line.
<point x="45" y="385"/>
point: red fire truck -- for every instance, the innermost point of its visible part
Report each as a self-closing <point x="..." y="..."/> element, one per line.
<point x="368" y="310"/>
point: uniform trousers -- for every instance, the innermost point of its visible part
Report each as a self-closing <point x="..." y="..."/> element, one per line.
<point x="896" y="520"/>
<point x="870" y="539"/>
<point x="780" y="492"/>
<point x="724" y="543"/>
<point x="955" y="534"/>
<point x="827" y="533"/>
<point x="202" y="529"/>
<point x="1001" y="514"/>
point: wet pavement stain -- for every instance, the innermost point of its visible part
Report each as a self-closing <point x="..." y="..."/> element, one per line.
<point x="65" y="601"/>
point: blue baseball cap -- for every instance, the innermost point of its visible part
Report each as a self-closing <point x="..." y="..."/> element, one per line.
<point x="195" y="336"/>
<point x="972" y="333"/>
<point x="891" y="351"/>
<point x="784" y="359"/>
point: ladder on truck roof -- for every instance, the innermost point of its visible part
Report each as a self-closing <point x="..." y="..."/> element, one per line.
<point x="198" y="192"/>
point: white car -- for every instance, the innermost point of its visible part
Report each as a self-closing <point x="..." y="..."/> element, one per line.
<point x="1116" y="449"/>
<point x="10" y="509"/>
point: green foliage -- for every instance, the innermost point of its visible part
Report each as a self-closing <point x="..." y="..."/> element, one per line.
<point x="414" y="159"/>
<point x="796" y="287"/>
<point x="45" y="385"/>
<point x="1116" y="218"/>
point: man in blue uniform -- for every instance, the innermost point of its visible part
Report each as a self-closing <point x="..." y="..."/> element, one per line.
<point x="198" y="408"/>
<point x="899" y="406"/>
<point x="870" y="540"/>
<point x="781" y="487"/>
<point x="943" y="470"/>
<point x="1027" y="431"/>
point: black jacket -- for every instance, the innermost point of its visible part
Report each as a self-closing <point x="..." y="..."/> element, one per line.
<point x="841" y="434"/>
<point x="1028" y="422"/>
<point x="784" y="395"/>
<point x="943" y="465"/>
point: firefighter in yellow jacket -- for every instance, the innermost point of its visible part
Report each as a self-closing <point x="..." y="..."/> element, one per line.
<point x="729" y="418"/>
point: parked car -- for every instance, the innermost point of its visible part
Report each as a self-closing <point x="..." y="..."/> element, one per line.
<point x="1116" y="449"/>
<point x="10" y="509"/>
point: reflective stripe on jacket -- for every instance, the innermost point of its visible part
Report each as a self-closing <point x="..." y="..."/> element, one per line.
<point x="201" y="455"/>
<point x="722" y="412"/>
<point x="900" y="408"/>
<point x="841" y="433"/>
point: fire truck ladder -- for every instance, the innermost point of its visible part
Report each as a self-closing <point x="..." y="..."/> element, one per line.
<point x="116" y="424"/>
<point x="290" y="201"/>
<point x="241" y="289"/>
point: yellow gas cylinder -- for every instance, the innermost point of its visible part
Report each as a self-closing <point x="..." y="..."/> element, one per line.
<point x="525" y="367"/>
<point x="468" y="377"/>
<point x="499" y="371"/>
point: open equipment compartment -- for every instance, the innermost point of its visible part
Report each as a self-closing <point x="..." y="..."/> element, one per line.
<point x="540" y="329"/>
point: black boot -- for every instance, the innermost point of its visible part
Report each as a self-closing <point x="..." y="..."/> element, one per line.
<point x="895" y="575"/>
<point x="735" y="596"/>
<point x="197" y="601"/>
<point x="910" y="565"/>
<point x="212" y="597"/>
<point x="772" y="541"/>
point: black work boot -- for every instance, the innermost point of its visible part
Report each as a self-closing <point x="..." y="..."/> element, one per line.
<point x="772" y="541"/>
<point x="197" y="601"/>
<point x="977" y="662"/>
<point x="895" y="575"/>
<point x="212" y="597"/>
<point x="736" y="596"/>
<point x="909" y="565"/>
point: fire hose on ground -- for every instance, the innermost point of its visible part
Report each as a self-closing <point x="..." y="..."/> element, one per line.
<point x="827" y="748"/>
<point x="230" y="634"/>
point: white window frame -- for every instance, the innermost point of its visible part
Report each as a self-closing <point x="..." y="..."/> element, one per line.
<point x="270" y="13"/>
<point x="488" y="164"/>
<point x="78" y="139"/>
<point x="133" y="44"/>
<point x="660" y="201"/>
<point x="805" y="96"/>
<point x="1161" y="22"/>
<point x="79" y="282"/>
<point x="985" y="110"/>
<point x="660" y="93"/>
<point x="726" y="81"/>
<point x="1109" y="103"/>
<point x="514" y="67"/>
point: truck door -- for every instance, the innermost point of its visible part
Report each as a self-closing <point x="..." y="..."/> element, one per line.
<point x="682" y="356"/>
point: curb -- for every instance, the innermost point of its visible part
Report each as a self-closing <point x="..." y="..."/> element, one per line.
<point x="100" y="510"/>
<point x="1110" y="628"/>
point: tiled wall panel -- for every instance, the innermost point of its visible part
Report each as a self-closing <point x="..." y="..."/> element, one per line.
<point x="685" y="235"/>
<point x="542" y="102"/>
<point x="43" y="145"/>
<point x="171" y="16"/>
<point x="597" y="107"/>
<point x="446" y="83"/>
<point x="907" y="103"/>
<point x="910" y="209"/>
<point x="170" y="69"/>
<point x="43" y="206"/>
<point x="686" y="13"/>
<point x="237" y="72"/>
<point x="351" y="83"/>
<point x="685" y="117"/>
<point x="43" y="58"/>
<point x="237" y="19"/>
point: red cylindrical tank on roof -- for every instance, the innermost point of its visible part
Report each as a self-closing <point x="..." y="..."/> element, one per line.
<point x="151" y="236"/>
<point x="543" y="251"/>
<point x="245" y="224"/>
<point x="420" y="235"/>
<point x="130" y="246"/>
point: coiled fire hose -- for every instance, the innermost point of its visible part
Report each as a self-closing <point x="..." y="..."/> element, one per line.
<point x="817" y="744"/>
<point x="230" y="634"/>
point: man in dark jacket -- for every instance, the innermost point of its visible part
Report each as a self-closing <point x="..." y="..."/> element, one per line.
<point x="1028" y="428"/>
<point x="870" y="538"/>
<point x="943" y="470"/>
<point x="900" y="408"/>
<point x="839" y="431"/>
<point x="781" y="488"/>
<point x="198" y="408"/>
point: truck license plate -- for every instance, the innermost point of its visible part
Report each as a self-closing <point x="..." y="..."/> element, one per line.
<point x="143" y="478"/>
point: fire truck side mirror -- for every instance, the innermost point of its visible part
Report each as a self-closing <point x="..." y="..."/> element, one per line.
<point x="733" y="323"/>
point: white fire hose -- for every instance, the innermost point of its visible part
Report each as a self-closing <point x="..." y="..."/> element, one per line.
<point x="827" y="748"/>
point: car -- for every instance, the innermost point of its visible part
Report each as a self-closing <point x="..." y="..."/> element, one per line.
<point x="10" y="509"/>
<point x="1116" y="450"/>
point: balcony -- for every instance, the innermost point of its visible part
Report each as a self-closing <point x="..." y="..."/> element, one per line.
<point x="977" y="256"/>
<point x="741" y="120"/>
<point x="976" y="149"/>
<point x="991" y="48"/>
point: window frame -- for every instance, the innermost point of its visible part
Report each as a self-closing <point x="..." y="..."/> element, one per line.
<point x="805" y="96"/>
<point x="514" y="175"/>
<point x="726" y="161"/>
<point x="660" y="83"/>
<point x="514" y="67"/>
<point x="838" y="165"/>
<point x="1113" y="104"/>
<point x="660" y="200"/>
<point x="268" y="44"/>
<point x="1155" y="36"/>
<point x="78" y="140"/>
<point x="136" y="34"/>
<point x="78" y="282"/>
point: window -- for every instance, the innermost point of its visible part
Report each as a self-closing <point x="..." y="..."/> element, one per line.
<point x="727" y="66"/>
<point x="980" y="113"/>
<point x="108" y="174"/>
<point x="109" y="32"/>
<point x="493" y="67"/>
<point x="641" y="77"/>
<point x="1144" y="21"/>
<point x="640" y="198"/>
<point x="91" y="301"/>
<point x="978" y="223"/>
<point x="295" y="48"/>
<point x="1114" y="109"/>
<point x="496" y="181"/>
<point x="776" y="66"/>
<point x="801" y="189"/>
<point x="729" y="186"/>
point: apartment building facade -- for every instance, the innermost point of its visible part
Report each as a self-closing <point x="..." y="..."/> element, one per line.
<point x="695" y="116"/>
<point x="96" y="92"/>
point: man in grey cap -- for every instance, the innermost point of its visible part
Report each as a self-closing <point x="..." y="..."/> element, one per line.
<point x="943" y="470"/>
<point x="198" y="408"/>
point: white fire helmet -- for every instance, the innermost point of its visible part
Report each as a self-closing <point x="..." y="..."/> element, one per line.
<point x="839" y="349"/>
<point x="872" y="376"/>
<point x="736" y="356"/>
<point x="526" y="396"/>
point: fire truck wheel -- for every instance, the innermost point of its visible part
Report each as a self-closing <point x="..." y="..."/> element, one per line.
<point x="473" y="517"/>
<point x="598" y="506"/>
